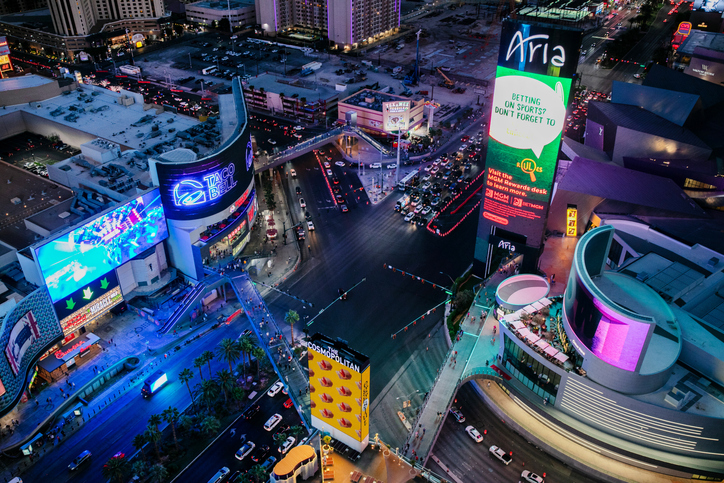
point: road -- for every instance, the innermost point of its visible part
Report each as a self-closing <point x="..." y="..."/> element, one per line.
<point x="113" y="429"/>
<point x="468" y="460"/>
<point x="221" y="452"/>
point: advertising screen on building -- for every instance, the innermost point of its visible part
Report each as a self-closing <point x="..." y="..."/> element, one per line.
<point x="532" y="85"/>
<point x="72" y="260"/>
<point x="88" y="302"/>
<point x="207" y="186"/>
<point x="22" y="335"/>
<point x="339" y="382"/>
<point x="396" y="115"/>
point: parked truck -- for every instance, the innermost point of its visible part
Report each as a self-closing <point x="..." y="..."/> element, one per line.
<point x="130" y="69"/>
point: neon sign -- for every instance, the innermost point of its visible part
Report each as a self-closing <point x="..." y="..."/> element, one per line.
<point x="191" y="192"/>
<point x="571" y="220"/>
<point x="519" y="43"/>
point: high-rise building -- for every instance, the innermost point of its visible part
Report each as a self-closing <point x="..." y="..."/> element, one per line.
<point x="347" y="23"/>
<point x="16" y="6"/>
<point x="78" y="17"/>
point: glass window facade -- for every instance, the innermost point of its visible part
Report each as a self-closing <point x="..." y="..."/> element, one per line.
<point x="534" y="375"/>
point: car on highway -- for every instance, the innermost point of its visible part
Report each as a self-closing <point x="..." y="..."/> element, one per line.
<point x="339" y="198"/>
<point x="267" y="465"/>
<point x="299" y="190"/>
<point x="252" y="411"/>
<point x="245" y="450"/>
<point x="260" y="453"/>
<point x="637" y="76"/>
<point x="409" y="216"/>
<point x="79" y="460"/>
<point x="344" y="208"/>
<point x="327" y="165"/>
<point x="457" y="415"/>
<point x="339" y="163"/>
<point x="302" y="203"/>
<point x="329" y="173"/>
<point x="293" y="172"/>
<point x="289" y="403"/>
<point x="310" y="226"/>
<point x="501" y="455"/>
<point x="300" y="233"/>
<point x="529" y="477"/>
<point x="473" y="433"/>
<point x="274" y="390"/>
<point x="376" y="165"/>
<point x="287" y="444"/>
<point x="272" y="422"/>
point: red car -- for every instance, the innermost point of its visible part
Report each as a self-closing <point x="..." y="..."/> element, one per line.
<point x="288" y="403"/>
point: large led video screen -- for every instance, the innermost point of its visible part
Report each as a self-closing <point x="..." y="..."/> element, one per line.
<point x="532" y="86"/>
<point x="205" y="187"/>
<point x="339" y="383"/>
<point x="74" y="259"/>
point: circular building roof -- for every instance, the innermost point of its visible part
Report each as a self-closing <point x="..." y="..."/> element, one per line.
<point x="179" y="155"/>
<point x="520" y="290"/>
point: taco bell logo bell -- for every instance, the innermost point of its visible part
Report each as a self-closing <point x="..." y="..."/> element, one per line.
<point x="211" y="186"/>
<point x="249" y="156"/>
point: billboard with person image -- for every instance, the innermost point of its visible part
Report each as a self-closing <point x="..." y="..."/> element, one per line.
<point x="339" y="382"/>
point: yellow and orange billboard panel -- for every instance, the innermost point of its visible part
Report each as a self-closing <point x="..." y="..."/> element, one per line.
<point x="339" y="380"/>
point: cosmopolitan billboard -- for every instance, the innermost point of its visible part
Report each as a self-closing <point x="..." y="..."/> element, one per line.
<point x="74" y="259"/>
<point x="532" y="85"/>
<point x="205" y="187"/>
<point x="339" y="383"/>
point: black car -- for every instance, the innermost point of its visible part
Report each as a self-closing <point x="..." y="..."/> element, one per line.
<point x="282" y="428"/>
<point x="299" y="190"/>
<point x="339" y="198"/>
<point x="308" y="216"/>
<point x="260" y="453"/>
<point x="252" y="411"/>
<point x="337" y="189"/>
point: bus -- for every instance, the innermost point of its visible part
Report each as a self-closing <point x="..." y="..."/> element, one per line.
<point x="412" y="179"/>
<point x="209" y="70"/>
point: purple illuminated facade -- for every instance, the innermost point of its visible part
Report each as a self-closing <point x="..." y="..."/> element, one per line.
<point x="619" y="340"/>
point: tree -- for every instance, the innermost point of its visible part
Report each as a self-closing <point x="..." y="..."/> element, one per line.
<point x="463" y="299"/>
<point x="139" y="442"/>
<point x="208" y="356"/>
<point x="291" y="318"/>
<point x="207" y="392"/>
<point x="297" y="431"/>
<point x="171" y="415"/>
<point x="154" y="420"/>
<point x="185" y="376"/>
<point x="224" y="24"/>
<point x="198" y="363"/>
<point x="246" y="345"/>
<point x="210" y="425"/>
<point x="259" y="355"/>
<point x="139" y="468"/>
<point x="186" y="423"/>
<point x="225" y="380"/>
<point x="158" y="473"/>
<point x="258" y="473"/>
<point x="279" y="438"/>
<point x="116" y="468"/>
<point x="153" y="435"/>
<point x="229" y="350"/>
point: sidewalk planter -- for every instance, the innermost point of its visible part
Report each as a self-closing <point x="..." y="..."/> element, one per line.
<point x="326" y="449"/>
<point x="131" y="363"/>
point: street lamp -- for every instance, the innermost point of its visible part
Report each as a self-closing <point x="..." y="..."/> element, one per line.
<point x="448" y="276"/>
<point x="405" y="397"/>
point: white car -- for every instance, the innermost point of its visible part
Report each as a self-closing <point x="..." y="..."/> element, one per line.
<point x="392" y="166"/>
<point x="418" y="209"/>
<point x="271" y="141"/>
<point x="298" y="128"/>
<point x="327" y="165"/>
<point x="329" y="172"/>
<point x="428" y="167"/>
<point x="501" y="455"/>
<point x="302" y="203"/>
<point x="272" y="422"/>
<point x="310" y="225"/>
<point x="426" y="210"/>
<point x="408" y="217"/>
<point x="531" y="477"/>
<point x="287" y="445"/>
<point x="477" y="437"/>
<point x="245" y="450"/>
<point x="376" y="165"/>
<point x="293" y="172"/>
<point x="274" y="390"/>
<point x="339" y="163"/>
<point x="637" y="76"/>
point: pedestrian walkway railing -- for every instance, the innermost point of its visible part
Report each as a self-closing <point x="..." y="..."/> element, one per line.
<point x="425" y="473"/>
<point x="379" y="147"/>
<point x="478" y="371"/>
<point x="275" y="159"/>
<point x="180" y="310"/>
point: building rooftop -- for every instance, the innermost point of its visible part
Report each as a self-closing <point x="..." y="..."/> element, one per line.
<point x="290" y="86"/>
<point x="699" y="38"/>
<point x="664" y="78"/>
<point x="361" y="99"/>
<point x="24" y="194"/>
<point x="671" y="105"/>
<point x="13" y="83"/>
<point x="232" y="4"/>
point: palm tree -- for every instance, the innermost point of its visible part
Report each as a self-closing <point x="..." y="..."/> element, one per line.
<point x="171" y="415"/>
<point x="296" y="431"/>
<point x="139" y="442"/>
<point x="246" y="344"/>
<point x="158" y="473"/>
<point x="225" y="380"/>
<point x="186" y="423"/>
<point x="185" y="376"/>
<point x="139" y="468"/>
<point x="154" y="420"/>
<point x="198" y="363"/>
<point x="229" y="350"/>
<point x="116" y="468"/>
<point x="207" y="392"/>
<point x="258" y="473"/>
<point x="153" y="435"/>
<point x="259" y="355"/>
<point x="291" y="318"/>
<point x="210" y="425"/>
<point x="279" y="438"/>
<point x="238" y="394"/>
<point x="208" y="356"/>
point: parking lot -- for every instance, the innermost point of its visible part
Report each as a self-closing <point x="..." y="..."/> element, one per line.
<point x="33" y="152"/>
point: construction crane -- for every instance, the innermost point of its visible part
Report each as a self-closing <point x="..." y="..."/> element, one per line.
<point x="448" y="84"/>
<point x="413" y="78"/>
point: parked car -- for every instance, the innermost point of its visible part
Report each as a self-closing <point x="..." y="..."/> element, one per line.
<point x="252" y="411"/>
<point x="267" y="465"/>
<point x="287" y="445"/>
<point x="276" y="419"/>
<point x="79" y="460"/>
<point x="274" y="390"/>
<point x="260" y="453"/>
<point x="529" y="477"/>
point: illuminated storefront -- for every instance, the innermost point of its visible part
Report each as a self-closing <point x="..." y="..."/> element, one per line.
<point x="5" y="63"/>
<point x="382" y="113"/>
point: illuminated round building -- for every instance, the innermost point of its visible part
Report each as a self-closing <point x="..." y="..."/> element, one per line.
<point x="635" y="364"/>
<point x="210" y="203"/>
